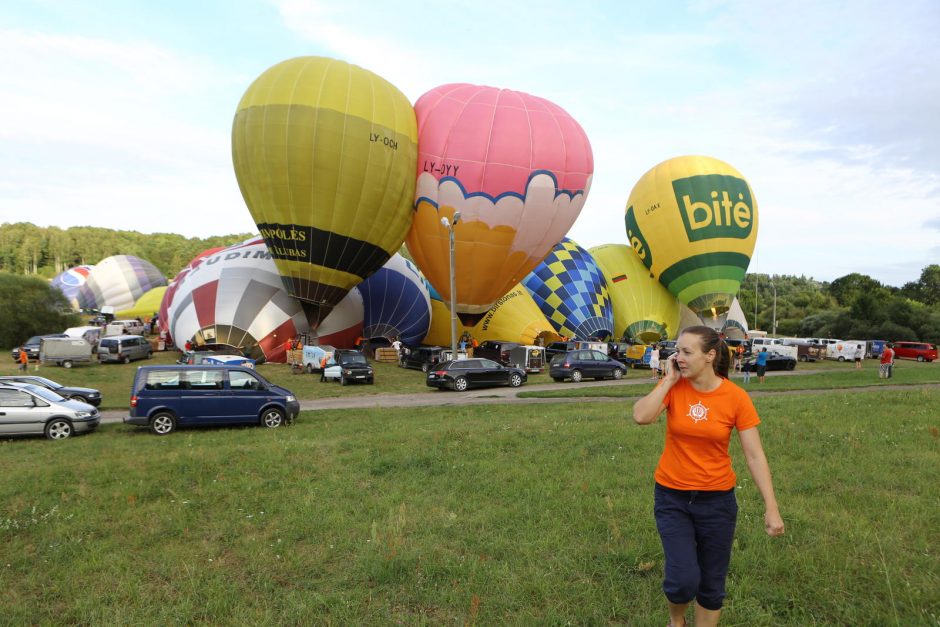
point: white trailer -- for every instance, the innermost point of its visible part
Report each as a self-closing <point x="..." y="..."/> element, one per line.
<point x="64" y="351"/>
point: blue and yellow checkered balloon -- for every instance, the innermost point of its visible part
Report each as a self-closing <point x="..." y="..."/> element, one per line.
<point x="571" y="291"/>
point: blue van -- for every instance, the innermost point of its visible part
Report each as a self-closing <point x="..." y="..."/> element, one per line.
<point x="167" y="397"/>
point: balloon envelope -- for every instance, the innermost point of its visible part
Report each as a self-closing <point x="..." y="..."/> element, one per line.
<point x="396" y="302"/>
<point x="571" y="292"/>
<point x="644" y="310"/>
<point x="518" y="169"/>
<point x="118" y="282"/>
<point x="693" y="223"/>
<point x="146" y="305"/>
<point x="70" y="282"/>
<point x="324" y="153"/>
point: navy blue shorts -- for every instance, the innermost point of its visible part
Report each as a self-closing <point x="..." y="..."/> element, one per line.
<point x="697" y="529"/>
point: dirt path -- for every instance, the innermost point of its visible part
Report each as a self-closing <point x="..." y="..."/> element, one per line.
<point x="492" y="396"/>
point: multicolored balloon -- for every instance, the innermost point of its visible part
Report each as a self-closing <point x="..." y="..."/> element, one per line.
<point x="644" y="310"/>
<point x="146" y="305"/>
<point x="397" y="302"/>
<point x="325" y="154"/>
<point x="693" y="223"/>
<point x="70" y="282"/>
<point x="118" y="282"/>
<point x="516" y="167"/>
<point x="571" y="292"/>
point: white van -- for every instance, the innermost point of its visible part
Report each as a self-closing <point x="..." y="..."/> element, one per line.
<point x="89" y="334"/>
<point x="124" y="327"/>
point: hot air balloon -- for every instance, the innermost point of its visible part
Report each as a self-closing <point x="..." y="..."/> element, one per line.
<point x="514" y="318"/>
<point x="70" y="282"/>
<point x="516" y="167"/>
<point x="118" y="282"/>
<point x="734" y="325"/>
<point x="644" y="310"/>
<point x="146" y="305"/>
<point x="571" y="291"/>
<point x="325" y="153"/>
<point x="693" y="223"/>
<point x="397" y="302"/>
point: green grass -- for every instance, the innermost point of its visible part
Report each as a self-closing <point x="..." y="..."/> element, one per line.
<point x="518" y="514"/>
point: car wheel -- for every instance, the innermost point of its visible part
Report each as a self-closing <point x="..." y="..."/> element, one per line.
<point x="309" y="369"/>
<point x="920" y="358"/>
<point x="617" y="374"/>
<point x="79" y="398"/>
<point x="461" y="384"/>
<point x="272" y="418"/>
<point x="163" y="423"/>
<point x="58" y="429"/>
<point x="515" y="380"/>
<point x="791" y="365"/>
<point x="841" y="358"/>
<point x="804" y="358"/>
<point x="67" y="363"/>
<point x="127" y="359"/>
<point x="576" y="376"/>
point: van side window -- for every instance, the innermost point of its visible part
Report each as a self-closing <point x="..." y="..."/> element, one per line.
<point x="163" y="380"/>
<point x="238" y="380"/>
<point x="204" y="379"/>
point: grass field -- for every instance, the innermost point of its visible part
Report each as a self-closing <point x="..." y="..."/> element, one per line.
<point x="518" y="514"/>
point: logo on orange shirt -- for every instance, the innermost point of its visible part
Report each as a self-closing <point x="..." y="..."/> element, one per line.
<point x="698" y="412"/>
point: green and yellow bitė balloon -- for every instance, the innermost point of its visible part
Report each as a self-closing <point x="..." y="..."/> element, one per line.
<point x="325" y="154"/>
<point x="693" y="223"/>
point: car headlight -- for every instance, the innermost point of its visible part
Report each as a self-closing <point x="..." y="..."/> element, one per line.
<point x="291" y="398"/>
<point x="82" y="414"/>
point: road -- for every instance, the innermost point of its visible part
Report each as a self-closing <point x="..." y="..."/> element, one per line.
<point x="492" y="396"/>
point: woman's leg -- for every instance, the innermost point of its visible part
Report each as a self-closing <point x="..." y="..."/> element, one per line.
<point x="681" y="577"/>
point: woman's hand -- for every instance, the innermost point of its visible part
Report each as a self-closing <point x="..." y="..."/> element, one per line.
<point x="672" y="374"/>
<point x="773" y="523"/>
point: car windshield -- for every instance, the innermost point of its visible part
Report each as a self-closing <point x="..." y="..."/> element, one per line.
<point x="33" y="340"/>
<point x="354" y="359"/>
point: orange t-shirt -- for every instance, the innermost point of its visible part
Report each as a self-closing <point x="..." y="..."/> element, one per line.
<point x="698" y="432"/>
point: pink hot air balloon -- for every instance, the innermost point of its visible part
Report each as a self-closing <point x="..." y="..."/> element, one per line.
<point x="518" y="169"/>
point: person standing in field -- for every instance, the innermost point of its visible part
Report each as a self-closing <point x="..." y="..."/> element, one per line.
<point x="859" y="355"/>
<point x="23" y="359"/>
<point x="694" y="504"/>
<point x="887" y="360"/>
<point x="761" y="364"/>
<point x="654" y="361"/>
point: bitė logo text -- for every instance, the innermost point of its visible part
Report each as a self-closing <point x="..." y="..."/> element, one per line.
<point x="714" y="205"/>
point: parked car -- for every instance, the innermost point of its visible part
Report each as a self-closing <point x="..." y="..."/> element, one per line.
<point x="32" y="346"/>
<point x="497" y="350"/>
<point x="921" y="351"/>
<point x="775" y="361"/>
<point x="166" y="397"/>
<point x="124" y="327"/>
<point x="422" y="357"/>
<point x="350" y="366"/>
<point x="33" y="410"/>
<point x="124" y="348"/>
<point x="462" y="374"/>
<point x="82" y="395"/>
<point x="581" y="364"/>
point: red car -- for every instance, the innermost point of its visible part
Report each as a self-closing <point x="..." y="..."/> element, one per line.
<point x="921" y="351"/>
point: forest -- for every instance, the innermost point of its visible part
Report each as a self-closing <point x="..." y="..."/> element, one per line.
<point x="854" y="306"/>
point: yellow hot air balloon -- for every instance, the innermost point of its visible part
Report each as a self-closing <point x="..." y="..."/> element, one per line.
<point x="644" y="310"/>
<point x="514" y="318"/>
<point x="693" y="223"/>
<point x="325" y="154"/>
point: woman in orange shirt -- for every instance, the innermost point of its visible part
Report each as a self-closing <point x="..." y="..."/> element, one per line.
<point x="695" y="506"/>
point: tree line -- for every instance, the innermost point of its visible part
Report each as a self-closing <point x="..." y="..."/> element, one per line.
<point x="855" y="306"/>
<point x="27" y="249"/>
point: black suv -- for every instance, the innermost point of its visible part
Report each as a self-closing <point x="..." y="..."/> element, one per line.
<point x="558" y="348"/>
<point x="421" y="357"/>
<point x="497" y="350"/>
<point x="350" y="366"/>
<point x="32" y="346"/>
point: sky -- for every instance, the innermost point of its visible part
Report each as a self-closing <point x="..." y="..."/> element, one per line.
<point x="118" y="114"/>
